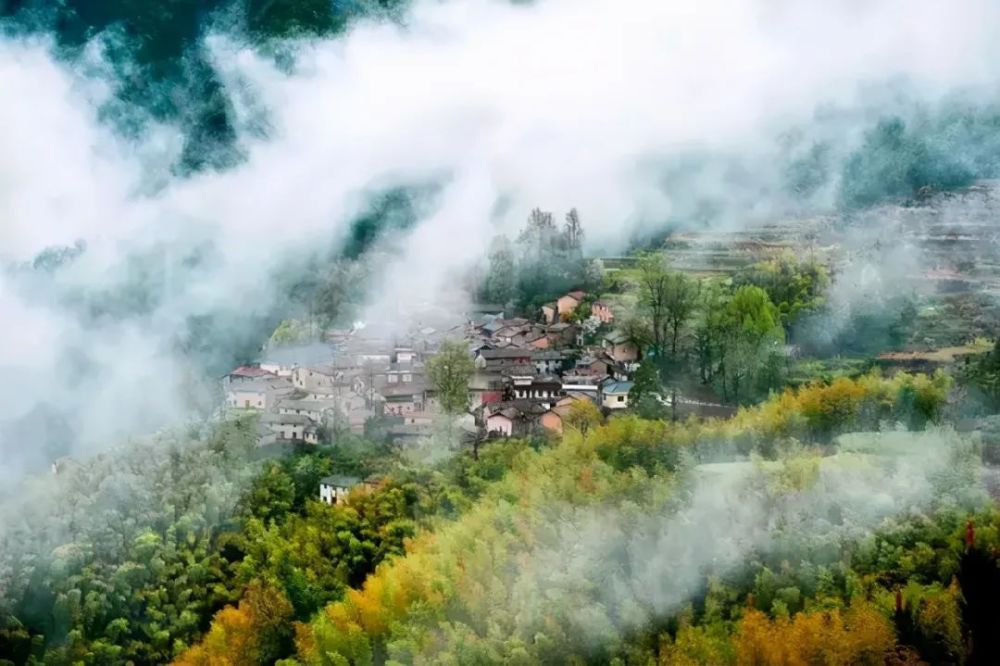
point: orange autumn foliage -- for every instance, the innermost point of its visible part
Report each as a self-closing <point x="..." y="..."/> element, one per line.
<point x="242" y="635"/>
<point x="859" y="635"/>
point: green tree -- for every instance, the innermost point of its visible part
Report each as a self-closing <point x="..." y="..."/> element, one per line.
<point x="573" y="232"/>
<point x="654" y="288"/>
<point x="793" y="286"/>
<point x="449" y="371"/>
<point x="500" y="286"/>
<point x="645" y="384"/>
<point x="583" y="415"/>
<point x="710" y="330"/>
<point x="272" y="494"/>
<point x="754" y="340"/>
<point x="983" y="376"/>
<point x="895" y="162"/>
<point x="668" y="299"/>
<point x="681" y="301"/>
<point x="291" y="332"/>
<point x="636" y="330"/>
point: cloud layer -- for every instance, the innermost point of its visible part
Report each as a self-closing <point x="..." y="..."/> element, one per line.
<point x="560" y="103"/>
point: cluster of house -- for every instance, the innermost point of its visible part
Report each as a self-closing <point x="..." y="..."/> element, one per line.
<point x="339" y="385"/>
<point x="527" y="376"/>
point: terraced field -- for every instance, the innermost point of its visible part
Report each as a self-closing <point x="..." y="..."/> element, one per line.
<point x="942" y="251"/>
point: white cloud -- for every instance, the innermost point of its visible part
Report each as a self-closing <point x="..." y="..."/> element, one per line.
<point x="556" y="104"/>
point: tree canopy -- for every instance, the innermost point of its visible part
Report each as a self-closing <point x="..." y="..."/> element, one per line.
<point x="449" y="371"/>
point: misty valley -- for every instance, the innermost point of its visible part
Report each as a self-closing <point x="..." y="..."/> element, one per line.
<point x="499" y="332"/>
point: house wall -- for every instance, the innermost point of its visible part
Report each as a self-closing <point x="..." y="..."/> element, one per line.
<point x="552" y="421"/>
<point x="597" y="369"/>
<point x="486" y="397"/>
<point x="246" y="399"/>
<point x="306" y="378"/>
<point x="623" y="352"/>
<point x="546" y="367"/>
<point x="549" y="314"/>
<point x="602" y="312"/>
<point x="333" y="494"/>
<point x="397" y="377"/>
<point x="540" y="343"/>
<point x="566" y="304"/>
<point x="402" y="408"/>
<point x="276" y="369"/>
<point x="517" y="360"/>
<point x="615" y="401"/>
<point x="536" y="392"/>
<point x="288" y="431"/>
<point x="498" y="423"/>
<point x="314" y="414"/>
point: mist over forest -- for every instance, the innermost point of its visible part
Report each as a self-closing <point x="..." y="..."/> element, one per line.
<point x="701" y="299"/>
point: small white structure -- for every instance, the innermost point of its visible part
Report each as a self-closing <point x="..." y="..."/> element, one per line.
<point x="614" y="395"/>
<point x="335" y="489"/>
<point x="258" y="394"/>
<point x="292" y="427"/>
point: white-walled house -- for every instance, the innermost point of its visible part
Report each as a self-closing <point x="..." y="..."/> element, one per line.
<point x="335" y="489"/>
<point x="292" y="428"/>
<point x="260" y="395"/>
<point x="614" y="394"/>
<point x="249" y="395"/>
<point x="317" y="410"/>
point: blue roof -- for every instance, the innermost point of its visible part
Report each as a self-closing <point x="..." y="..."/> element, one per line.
<point x="617" y="387"/>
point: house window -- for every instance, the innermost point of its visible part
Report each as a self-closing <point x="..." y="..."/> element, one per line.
<point x="407" y="377"/>
<point x="621" y="398"/>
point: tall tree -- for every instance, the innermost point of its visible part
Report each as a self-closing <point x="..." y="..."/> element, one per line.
<point x="709" y="330"/>
<point x="449" y="371"/>
<point x="681" y="300"/>
<point x="646" y="384"/>
<point x="500" y="285"/>
<point x="636" y="331"/>
<point x="754" y="335"/>
<point x="573" y="231"/>
<point x="668" y="299"/>
<point x="539" y="235"/>
<point x="983" y="377"/>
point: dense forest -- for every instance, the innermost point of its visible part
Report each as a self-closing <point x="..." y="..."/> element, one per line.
<point x="839" y="507"/>
<point x="209" y="551"/>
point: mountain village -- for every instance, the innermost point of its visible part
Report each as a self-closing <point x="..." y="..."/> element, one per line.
<point x="527" y="376"/>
